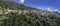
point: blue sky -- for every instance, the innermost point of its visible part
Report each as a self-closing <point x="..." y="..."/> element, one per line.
<point x="51" y="5"/>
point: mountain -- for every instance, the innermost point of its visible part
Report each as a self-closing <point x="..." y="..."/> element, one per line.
<point x="14" y="14"/>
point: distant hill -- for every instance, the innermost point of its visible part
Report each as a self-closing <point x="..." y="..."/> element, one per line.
<point x="13" y="5"/>
<point x="14" y="14"/>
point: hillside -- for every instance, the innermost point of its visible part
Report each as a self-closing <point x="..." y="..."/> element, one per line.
<point x="13" y="5"/>
<point x="14" y="14"/>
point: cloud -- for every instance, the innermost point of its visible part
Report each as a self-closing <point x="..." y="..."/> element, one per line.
<point x="49" y="9"/>
<point x="21" y="1"/>
<point x="55" y="9"/>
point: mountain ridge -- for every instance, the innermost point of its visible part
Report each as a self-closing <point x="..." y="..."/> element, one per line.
<point x="14" y="6"/>
<point x="20" y="15"/>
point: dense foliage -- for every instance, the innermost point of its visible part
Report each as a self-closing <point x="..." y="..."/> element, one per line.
<point x="28" y="19"/>
<point x="13" y="19"/>
<point x="14" y="6"/>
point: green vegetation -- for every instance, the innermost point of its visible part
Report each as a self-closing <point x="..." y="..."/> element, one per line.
<point x="14" y="6"/>
<point x="28" y="19"/>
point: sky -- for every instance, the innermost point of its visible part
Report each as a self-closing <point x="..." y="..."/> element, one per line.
<point x="50" y="5"/>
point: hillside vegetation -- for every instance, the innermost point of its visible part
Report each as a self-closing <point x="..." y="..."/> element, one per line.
<point x="14" y="14"/>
